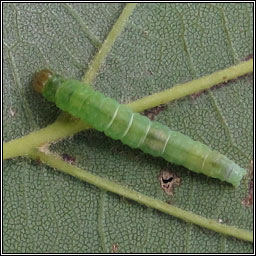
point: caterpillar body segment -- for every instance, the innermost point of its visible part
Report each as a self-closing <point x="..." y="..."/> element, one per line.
<point x="121" y="123"/>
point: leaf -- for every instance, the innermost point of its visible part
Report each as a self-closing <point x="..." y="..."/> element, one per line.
<point x="161" y="45"/>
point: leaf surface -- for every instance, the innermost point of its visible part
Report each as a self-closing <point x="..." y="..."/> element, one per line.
<point x="161" y="45"/>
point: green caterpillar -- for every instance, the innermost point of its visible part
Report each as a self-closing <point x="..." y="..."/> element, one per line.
<point x="121" y="123"/>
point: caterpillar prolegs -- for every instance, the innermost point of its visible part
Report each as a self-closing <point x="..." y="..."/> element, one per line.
<point x="120" y="123"/>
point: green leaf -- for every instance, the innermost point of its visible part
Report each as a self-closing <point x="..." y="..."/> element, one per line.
<point x="161" y="45"/>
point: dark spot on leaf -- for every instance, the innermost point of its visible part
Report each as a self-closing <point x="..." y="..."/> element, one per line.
<point x="151" y="113"/>
<point x="114" y="248"/>
<point x="69" y="159"/>
<point x="145" y="33"/>
<point x="168" y="181"/>
<point x="197" y="94"/>
<point x="37" y="161"/>
<point x="250" y="56"/>
<point x="150" y="72"/>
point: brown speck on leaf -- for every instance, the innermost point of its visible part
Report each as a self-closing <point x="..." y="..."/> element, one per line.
<point x="145" y="33"/>
<point x="248" y="200"/>
<point x="40" y="79"/>
<point x="197" y="94"/>
<point x="114" y="248"/>
<point x="151" y="113"/>
<point x="168" y="181"/>
<point x="69" y="159"/>
<point x="150" y="72"/>
<point x="37" y="161"/>
<point x="250" y="56"/>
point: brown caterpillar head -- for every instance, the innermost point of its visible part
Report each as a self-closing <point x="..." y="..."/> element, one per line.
<point x="40" y="79"/>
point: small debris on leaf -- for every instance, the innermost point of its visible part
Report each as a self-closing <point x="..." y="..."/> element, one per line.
<point x="114" y="248"/>
<point x="153" y="112"/>
<point x="168" y="181"/>
<point x="69" y="159"/>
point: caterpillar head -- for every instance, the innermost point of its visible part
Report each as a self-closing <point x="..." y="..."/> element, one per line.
<point x="40" y="79"/>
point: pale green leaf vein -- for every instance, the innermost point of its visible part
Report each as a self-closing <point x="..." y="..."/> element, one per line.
<point x="108" y="43"/>
<point x="95" y="41"/>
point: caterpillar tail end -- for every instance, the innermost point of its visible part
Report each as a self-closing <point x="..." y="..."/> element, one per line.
<point x="241" y="175"/>
<point x="40" y="80"/>
<point x="237" y="175"/>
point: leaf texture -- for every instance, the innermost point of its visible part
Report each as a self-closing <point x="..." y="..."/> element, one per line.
<point x="161" y="45"/>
